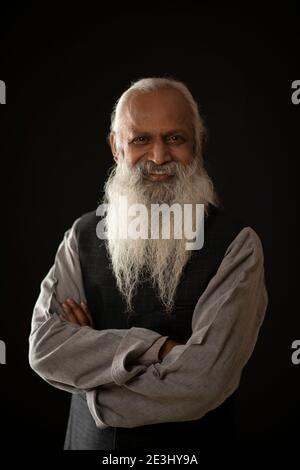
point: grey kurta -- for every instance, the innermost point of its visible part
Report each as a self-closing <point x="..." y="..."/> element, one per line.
<point x="118" y="369"/>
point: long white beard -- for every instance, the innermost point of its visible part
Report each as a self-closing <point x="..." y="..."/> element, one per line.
<point x="159" y="260"/>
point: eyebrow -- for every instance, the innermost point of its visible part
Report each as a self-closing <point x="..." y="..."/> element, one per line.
<point x="165" y="134"/>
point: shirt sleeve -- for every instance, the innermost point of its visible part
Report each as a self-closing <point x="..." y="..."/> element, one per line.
<point x="196" y="377"/>
<point x="76" y="358"/>
<point x="151" y="356"/>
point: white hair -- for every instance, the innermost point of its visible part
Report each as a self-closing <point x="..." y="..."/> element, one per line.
<point x="161" y="260"/>
<point x="145" y="85"/>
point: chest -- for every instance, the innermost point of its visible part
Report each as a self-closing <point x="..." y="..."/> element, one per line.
<point x="109" y="310"/>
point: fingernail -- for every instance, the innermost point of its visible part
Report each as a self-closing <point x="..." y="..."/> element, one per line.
<point x="70" y="301"/>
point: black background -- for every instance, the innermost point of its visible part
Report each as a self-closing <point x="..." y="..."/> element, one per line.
<point x="64" y="70"/>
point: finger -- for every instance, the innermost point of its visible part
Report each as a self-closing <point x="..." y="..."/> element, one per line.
<point x="79" y="313"/>
<point x="69" y="314"/>
<point x="87" y="312"/>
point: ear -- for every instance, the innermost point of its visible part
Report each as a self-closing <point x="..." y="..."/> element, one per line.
<point x="113" y="146"/>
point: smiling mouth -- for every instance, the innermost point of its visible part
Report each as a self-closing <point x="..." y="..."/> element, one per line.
<point x="158" y="176"/>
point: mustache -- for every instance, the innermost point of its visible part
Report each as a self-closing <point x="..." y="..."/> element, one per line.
<point x="145" y="167"/>
<point x="131" y="175"/>
<point x="176" y="169"/>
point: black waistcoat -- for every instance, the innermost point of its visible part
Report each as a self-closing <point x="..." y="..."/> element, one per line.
<point x="109" y="311"/>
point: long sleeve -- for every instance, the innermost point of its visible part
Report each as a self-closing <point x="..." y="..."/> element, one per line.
<point x="76" y="358"/>
<point x="198" y="376"/>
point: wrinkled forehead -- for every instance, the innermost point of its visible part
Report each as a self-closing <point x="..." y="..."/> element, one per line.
<point x="158" y="110"/>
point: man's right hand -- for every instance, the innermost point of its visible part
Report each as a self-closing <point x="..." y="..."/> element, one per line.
<point x="78" y="314"/>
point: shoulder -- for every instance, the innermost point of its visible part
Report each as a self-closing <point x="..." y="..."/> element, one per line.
<point x="247" y="243"/>
<point x="84" y="224"/>
<point x="86" y="221"/>
<point x="221" y="228"/>
<point x="81" y="225"/>
<point x="239" y="233"/>
<point x="85" y="229"/>
<point x="218" y="216"/>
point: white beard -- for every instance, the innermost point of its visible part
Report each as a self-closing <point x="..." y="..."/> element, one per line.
<point x="159" y="260"/>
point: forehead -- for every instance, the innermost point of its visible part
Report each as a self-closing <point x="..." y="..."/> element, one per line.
<point x="161" y="110"/>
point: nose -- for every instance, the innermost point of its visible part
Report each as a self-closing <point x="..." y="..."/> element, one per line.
<point x="159" y="153"/>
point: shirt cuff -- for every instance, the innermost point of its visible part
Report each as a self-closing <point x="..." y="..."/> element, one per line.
<point x="91" y="397"/>
<point x="135" y="343"/>
<point x="152" y="354"/>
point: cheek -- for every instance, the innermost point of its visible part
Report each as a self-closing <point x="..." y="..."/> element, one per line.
<point x="132" y="156"/>
<point x="183" y="154"/>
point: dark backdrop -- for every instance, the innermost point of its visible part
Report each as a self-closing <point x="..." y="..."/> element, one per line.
<point x="63" y="73"/>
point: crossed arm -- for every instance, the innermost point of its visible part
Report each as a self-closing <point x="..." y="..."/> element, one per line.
<point x="198" y="376"/>
<point x="73" y="356"/>
<point x="80" y="315"/>
<point x="191" y="379"/>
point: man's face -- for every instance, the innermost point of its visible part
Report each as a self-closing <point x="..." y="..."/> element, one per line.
<point x="156" y="126"/>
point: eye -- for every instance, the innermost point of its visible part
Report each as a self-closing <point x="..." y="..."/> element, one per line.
<point x="141" y="139"/>
<point x="175" y="138"/>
